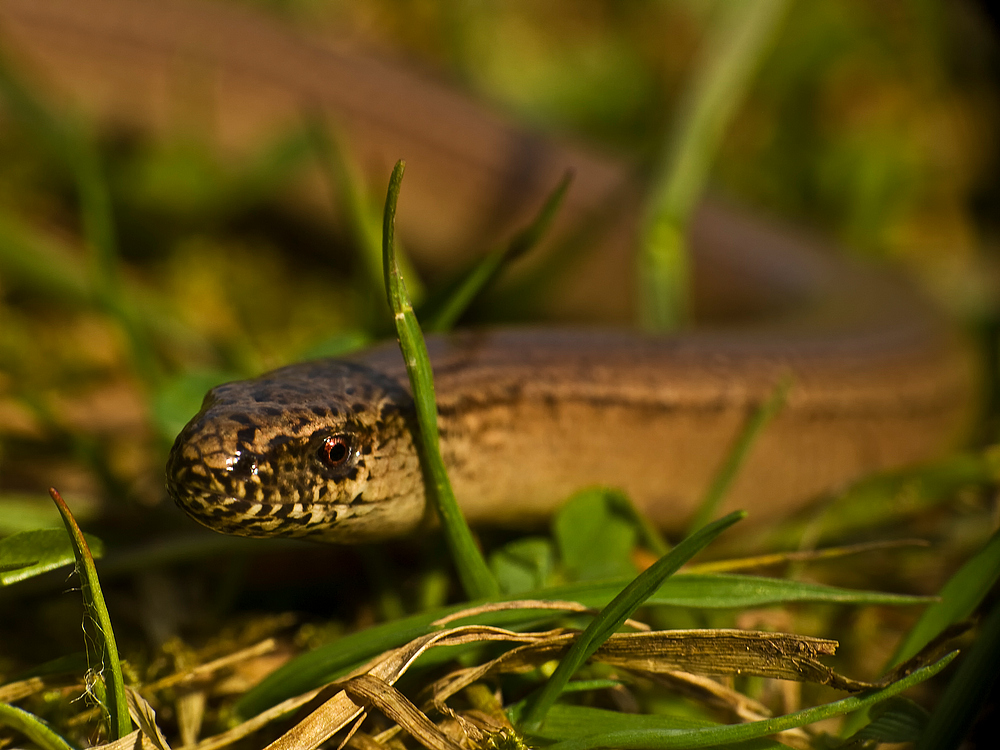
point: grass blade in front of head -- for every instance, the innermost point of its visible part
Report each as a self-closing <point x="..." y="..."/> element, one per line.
<point x="620" y="609"/>
<point x="736" y="44"/>
<point x="106" y="659"/>
<point x="477" y="580"/>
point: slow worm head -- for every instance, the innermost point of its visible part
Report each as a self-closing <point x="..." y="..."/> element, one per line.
<point x="322" y="449"/>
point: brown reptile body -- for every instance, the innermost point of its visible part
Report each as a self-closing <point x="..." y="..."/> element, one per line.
<point x="526" y="416"/>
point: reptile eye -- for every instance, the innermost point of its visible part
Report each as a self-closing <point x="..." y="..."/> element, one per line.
<point x="335" y="451"/>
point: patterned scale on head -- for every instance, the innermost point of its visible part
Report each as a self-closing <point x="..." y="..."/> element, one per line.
<point x="322" y="449"/>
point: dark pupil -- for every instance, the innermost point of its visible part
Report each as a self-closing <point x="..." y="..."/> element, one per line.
<point x="336" y="450"/>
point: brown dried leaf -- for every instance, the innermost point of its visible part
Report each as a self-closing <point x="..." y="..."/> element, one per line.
<point x="371" y="691"/>
<point x="145" y="717"/>
<point x="520" y="604"/>
<point x="136" y="740"/>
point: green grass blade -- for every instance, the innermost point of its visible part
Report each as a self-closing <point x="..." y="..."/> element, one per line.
<point x="724" y="477"/>
<point x="568" y="721"/>
<point x="662" y="739"/>
<point x="967" y="691"/>
<point x="345" y="181"/>
<point x="731" y="591"/>
<point x="475" y="575"/>
<point x="442" y="312"/>
<point x="620" y="609"/>
<point x="886" y="498"/>
<point x="81" y="158"/>
<point x="97" y="613"/>
<point x="35" y="729"/>
<point x="26" y="258"/>
<point x="736" y="44"/>
<point x="959" y="598"/>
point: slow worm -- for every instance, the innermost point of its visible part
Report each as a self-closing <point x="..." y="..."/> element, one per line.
<point x="527" y="416"/>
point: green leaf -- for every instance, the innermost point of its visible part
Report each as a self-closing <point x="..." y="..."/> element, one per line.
<point x="107" y="661"/>
<point x="526" y="564"/>
<point x="30" y="553"/>
<point x="595" y="541"/>
<point x="615" y="613"/>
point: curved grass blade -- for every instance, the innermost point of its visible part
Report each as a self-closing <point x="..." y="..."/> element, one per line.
<point x="620" y="609"/>
<point x="347" y="184"/>
<point x="662" y="739"/>
<point x="958" y="599"/>
<point x="443" y="310"/>
<point x="35" y="729"/>
<point x="475" y="575"/>
<point x="97" y="614"/>
<point x="29" y="258"/>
